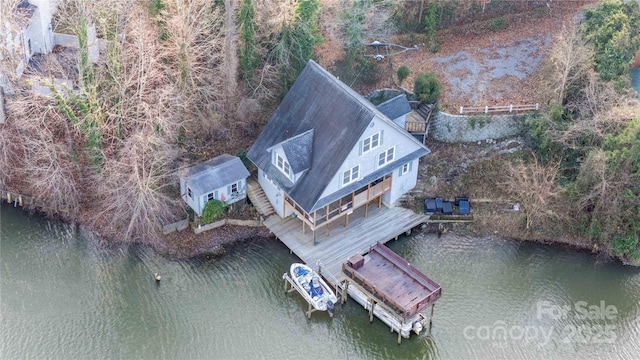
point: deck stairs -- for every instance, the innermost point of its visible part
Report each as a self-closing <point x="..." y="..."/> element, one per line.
<point x="259" y="198"/>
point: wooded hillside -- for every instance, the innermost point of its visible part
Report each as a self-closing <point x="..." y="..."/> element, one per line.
<point x="181" y="81"/>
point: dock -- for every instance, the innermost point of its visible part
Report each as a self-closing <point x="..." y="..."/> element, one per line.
<point x="331" y="250"/>
<point x="30" y="203"/>
<point x="381" y="225"/>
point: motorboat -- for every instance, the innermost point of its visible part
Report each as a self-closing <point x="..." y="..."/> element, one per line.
<point x="312" y="287"/>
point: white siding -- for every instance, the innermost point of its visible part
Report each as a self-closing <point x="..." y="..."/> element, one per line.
<point x="274" y="194"/>
<point x="198" y="201"/>
<point x="402" y="183"/>
<point x="191" y="201"/>
<point x="391" y="136"/>
<point x="401" y="121"/>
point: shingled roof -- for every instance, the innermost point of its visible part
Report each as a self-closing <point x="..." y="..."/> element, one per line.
<point x="324" y="119"/>
<point x="215" y="173"/>
<point x="395" y="107"/>
<point x="298" y="151"/>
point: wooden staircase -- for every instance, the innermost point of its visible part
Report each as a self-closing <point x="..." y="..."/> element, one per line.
<point x="258" y="198"/>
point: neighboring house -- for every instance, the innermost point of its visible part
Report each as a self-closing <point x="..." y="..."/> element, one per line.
<point x="396" y="109"/>
<point x="327" y="150"/>
<point x="33" y="35"/>
<point x="222" y="178"/>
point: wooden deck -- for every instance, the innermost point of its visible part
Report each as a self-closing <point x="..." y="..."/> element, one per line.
<point x="381" y="225"/>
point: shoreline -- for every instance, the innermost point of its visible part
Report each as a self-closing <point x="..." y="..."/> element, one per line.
<point x="187" y="245"/>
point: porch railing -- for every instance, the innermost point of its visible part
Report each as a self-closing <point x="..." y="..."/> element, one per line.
<point x="341" y="207"/>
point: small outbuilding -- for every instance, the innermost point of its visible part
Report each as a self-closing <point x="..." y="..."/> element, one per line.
<point x="222" y="178"/>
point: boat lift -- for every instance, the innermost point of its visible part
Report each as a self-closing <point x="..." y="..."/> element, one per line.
<point x="290" y="285"/>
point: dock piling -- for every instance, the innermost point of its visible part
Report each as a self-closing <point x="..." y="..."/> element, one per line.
<point x="373" y="305"/>
<point x="431" y="317"/>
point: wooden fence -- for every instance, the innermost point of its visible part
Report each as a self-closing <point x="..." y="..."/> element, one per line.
<point x="498" y="109"/>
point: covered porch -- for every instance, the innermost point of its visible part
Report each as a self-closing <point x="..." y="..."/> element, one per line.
<point x="340" y="209"/>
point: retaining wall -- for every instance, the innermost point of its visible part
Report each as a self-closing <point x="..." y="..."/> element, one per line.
<point x="176" y="226"/>
<point x="471" y="128"/>
<point x="216" y="224"/>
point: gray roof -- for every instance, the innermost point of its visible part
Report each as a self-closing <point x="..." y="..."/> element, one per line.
<point x="328" y="118"/>
<point x="215" y="173"/>
<point x="298" y="151"/>
<point x="395" y="107"/>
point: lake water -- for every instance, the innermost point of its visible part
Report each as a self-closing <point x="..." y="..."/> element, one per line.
<point x="63" y="296"/>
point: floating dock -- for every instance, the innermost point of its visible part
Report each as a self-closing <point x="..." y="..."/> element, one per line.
<point x="384" y="279"/>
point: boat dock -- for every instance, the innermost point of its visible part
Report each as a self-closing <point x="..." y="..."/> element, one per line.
<point x="363" y="237"/>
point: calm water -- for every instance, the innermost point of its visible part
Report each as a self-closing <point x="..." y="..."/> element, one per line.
<point x="62" y="296"/>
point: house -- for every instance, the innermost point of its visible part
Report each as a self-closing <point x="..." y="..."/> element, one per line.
<point x="30" y="36"/>
<point x="327" y="150"/>
<point x="222" y="178"/>
<point x="33" y="35"/>
<point x="396" y="109"/>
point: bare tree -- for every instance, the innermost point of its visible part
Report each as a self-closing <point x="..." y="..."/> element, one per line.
<point x="596" y="184"/>
<point x="10" y="154"/>
<point x="601" y="111"/>
<point x="132" y="197"/>
<point x="533" y="185"/>
<point x="273" y="15"/>
<point x="569" y="59"/>
<point x="195" y="48"/>
<point x="44" y="160"/>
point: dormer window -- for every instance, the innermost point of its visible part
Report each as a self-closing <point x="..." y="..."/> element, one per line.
<point x="283" y="165"/>
<point x="371" y="142"/>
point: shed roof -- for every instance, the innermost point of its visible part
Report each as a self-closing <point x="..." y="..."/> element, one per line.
<point x="215" y="173"/>
<point x="395" y="107"/>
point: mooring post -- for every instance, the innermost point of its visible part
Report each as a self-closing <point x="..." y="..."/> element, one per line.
<point x="431" y="317"/>
<point x="373" y="305"/>
<point x="345" y="292"/>
<point x="286" y="283"/>
<point x="399" y="337"/>
<point x="309" y="312"/>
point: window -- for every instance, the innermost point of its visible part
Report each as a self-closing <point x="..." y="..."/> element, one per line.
<point x="371" y="142"/>
<point x="405" y="168"/>
<point x="234" y="188"/>
<point x="210" y="196"/>
<point x="189" y="193"/>
<point x="386" y="156"/>
<point x="282" y="164"/>
<point x="351" y="175"/>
